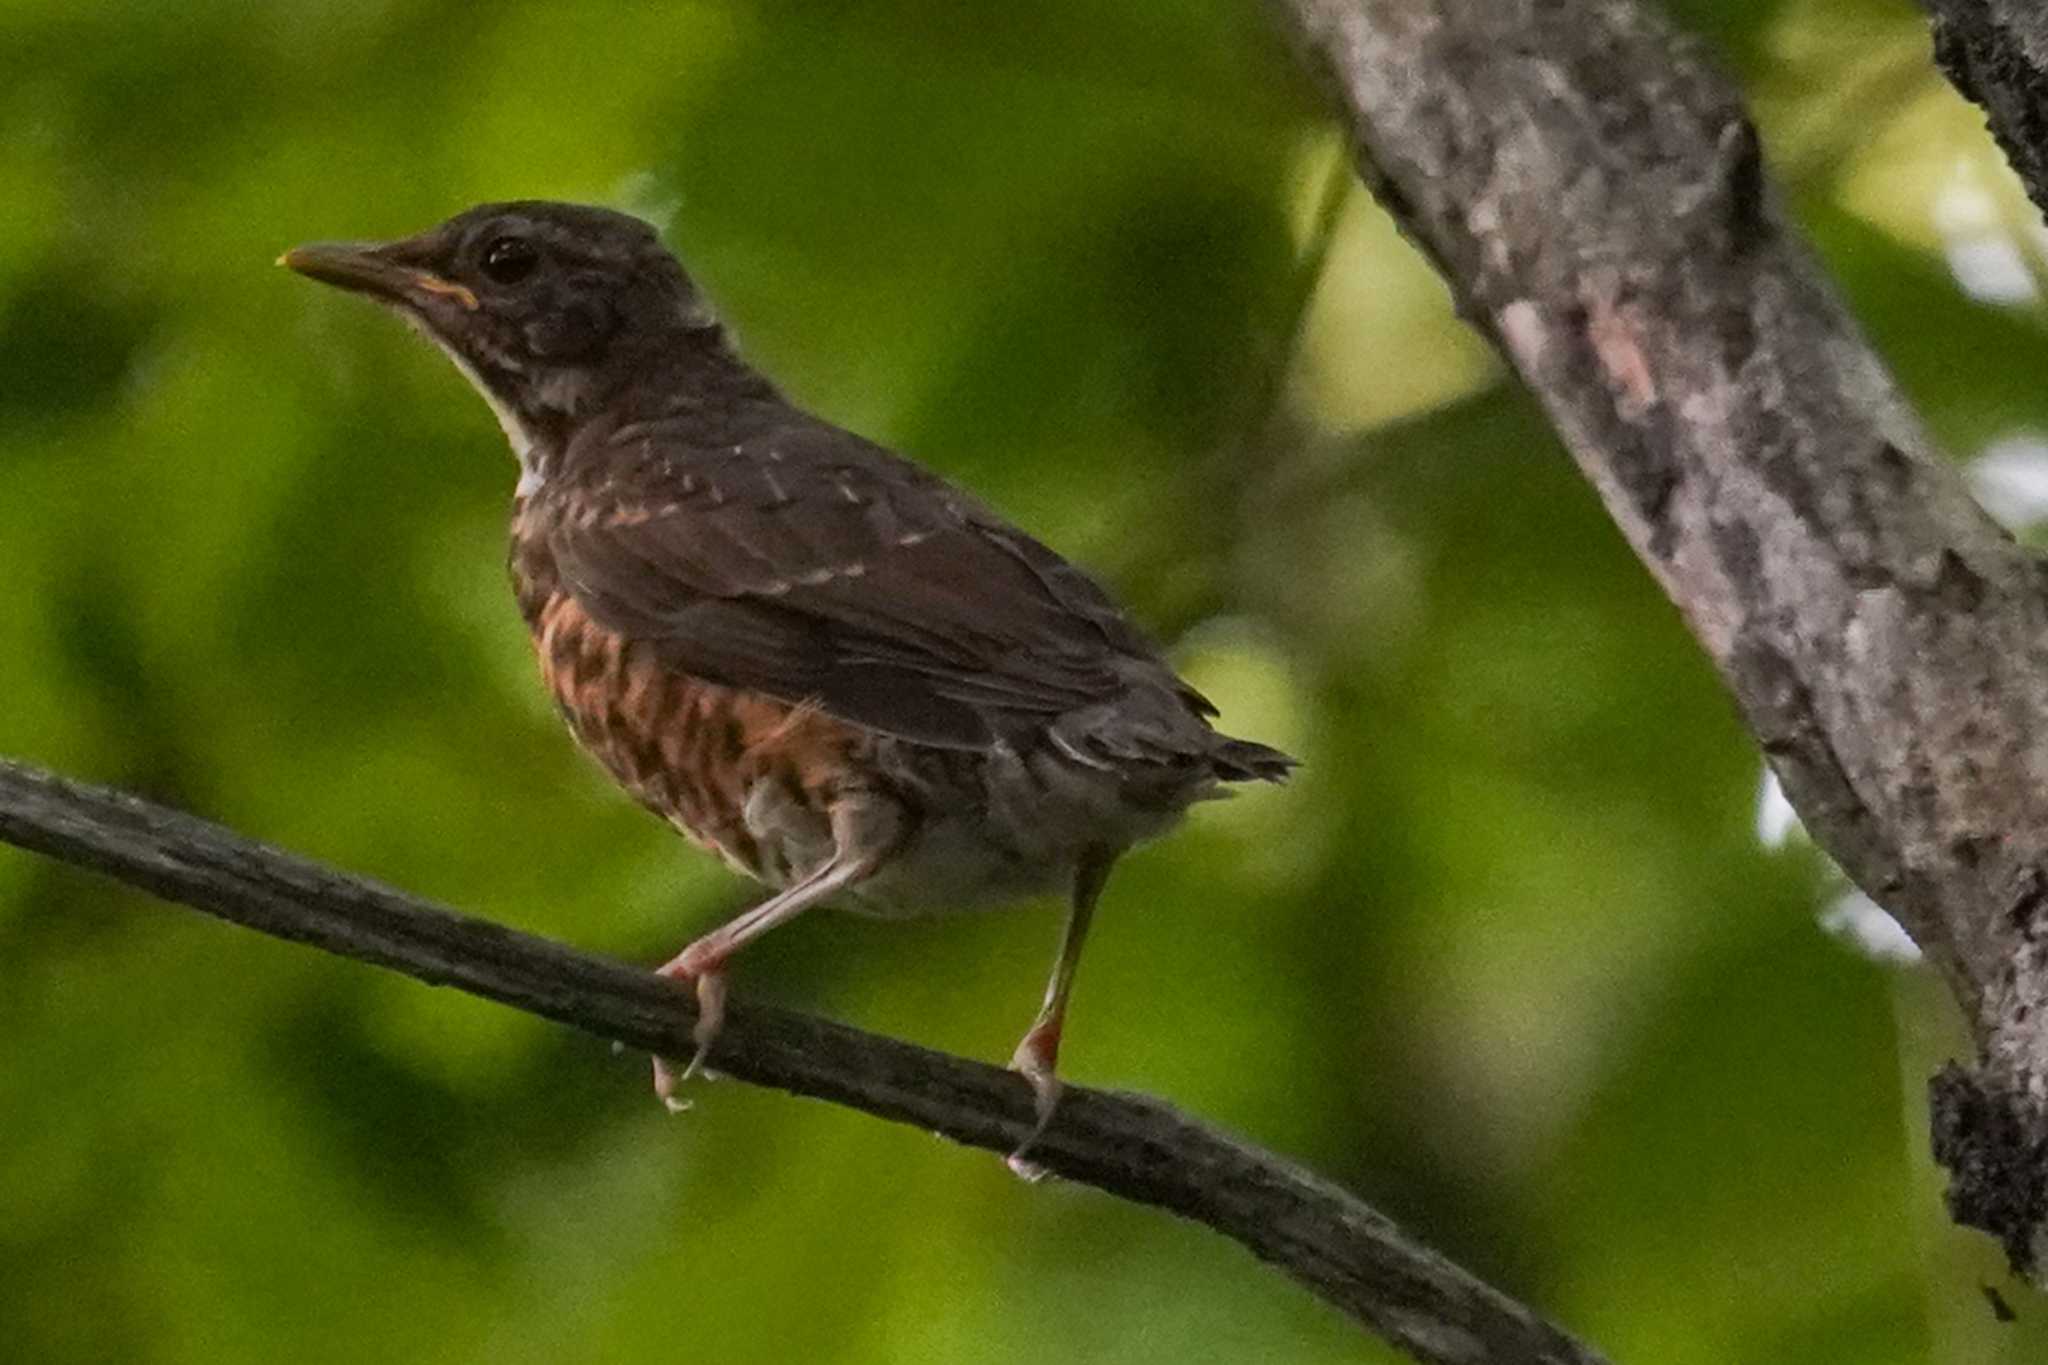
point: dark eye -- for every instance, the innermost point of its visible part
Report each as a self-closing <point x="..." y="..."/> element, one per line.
<point x="508" y="260"/>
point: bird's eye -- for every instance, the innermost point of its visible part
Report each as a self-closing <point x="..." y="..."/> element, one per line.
<point x="508" y="260"/>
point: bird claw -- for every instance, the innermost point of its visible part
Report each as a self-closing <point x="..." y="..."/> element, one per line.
<point x="1034" y="1060"/>
<point x="710" y="983"/>
<point x="667" y="1082"/>
<point x="1027" y="1171"/>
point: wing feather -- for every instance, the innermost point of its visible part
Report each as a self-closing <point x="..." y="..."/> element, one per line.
<point x="809" y="564"/>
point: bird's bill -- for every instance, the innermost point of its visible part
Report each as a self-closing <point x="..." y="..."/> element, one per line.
<point x="371" y="270"/>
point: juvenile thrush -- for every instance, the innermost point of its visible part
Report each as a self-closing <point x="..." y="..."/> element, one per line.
<point x="848" y="678"/>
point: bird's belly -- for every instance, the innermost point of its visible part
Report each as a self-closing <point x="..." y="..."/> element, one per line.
<point x="997" y="826"/>
<point x="953" y="865"/>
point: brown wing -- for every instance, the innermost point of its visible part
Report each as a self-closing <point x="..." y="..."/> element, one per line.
<point x="806" y="563"/>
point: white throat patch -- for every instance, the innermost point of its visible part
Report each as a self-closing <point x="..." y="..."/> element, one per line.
<point x="531" y="475"/>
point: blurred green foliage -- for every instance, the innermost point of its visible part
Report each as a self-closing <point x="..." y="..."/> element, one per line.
<point x="1509" y="958"/>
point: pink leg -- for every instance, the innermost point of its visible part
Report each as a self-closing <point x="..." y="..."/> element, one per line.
<point x="1037" y="1055"/>
<point x="710" y="979"/>
<point x="703" y="961"/>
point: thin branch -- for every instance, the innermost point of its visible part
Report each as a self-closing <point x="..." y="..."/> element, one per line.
<point x="1593" y="192"/>
<point x="1136" y="1148"/>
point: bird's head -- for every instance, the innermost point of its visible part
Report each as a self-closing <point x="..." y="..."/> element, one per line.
<point x="549" y="309"/>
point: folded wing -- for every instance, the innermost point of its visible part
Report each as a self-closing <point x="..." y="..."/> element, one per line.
<point x="808" y="564"/>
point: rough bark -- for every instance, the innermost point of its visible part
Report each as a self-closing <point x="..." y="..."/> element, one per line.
<point x="1337" y="1247"/>
<point x="1595" y="196"/>
<point x="1996" y="53"/>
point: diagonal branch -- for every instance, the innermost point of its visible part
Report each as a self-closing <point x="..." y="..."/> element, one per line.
<point x="1593" y="192"/>
<point x="1132" y="1147"/>
<point x="1996" y="53"/>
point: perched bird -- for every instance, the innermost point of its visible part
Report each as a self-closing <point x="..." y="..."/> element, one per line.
<point x="851" y="680"/>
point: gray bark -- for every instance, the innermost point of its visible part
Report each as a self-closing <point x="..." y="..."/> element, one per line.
<point x="1996" y="53"/>
<point x="1594" y="194"/>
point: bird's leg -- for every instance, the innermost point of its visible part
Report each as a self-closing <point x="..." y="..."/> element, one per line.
<point x="863" y="838"/>
<point x="703" y="963"/>
<point x="1037" y="1055"/>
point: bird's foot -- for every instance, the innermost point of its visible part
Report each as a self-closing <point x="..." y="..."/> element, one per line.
<point x="708" y="974"/>
<point x="1035" y="1059"/>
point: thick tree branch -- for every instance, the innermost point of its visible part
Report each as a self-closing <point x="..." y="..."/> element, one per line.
<point x="1996" y="53"/>
<point x="1594" y="193"/>
<point x="1136" y="1148"/>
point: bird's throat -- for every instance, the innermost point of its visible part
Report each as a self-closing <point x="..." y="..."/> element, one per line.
<point x="531" y="446"/>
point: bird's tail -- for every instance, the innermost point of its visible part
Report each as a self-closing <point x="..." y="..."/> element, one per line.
<point x="1246" y="760"/>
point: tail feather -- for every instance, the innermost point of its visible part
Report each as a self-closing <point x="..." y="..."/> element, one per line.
<point x="1246" y="760"/>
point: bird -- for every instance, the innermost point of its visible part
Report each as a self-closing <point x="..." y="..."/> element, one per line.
<point x="853" y="681"/>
